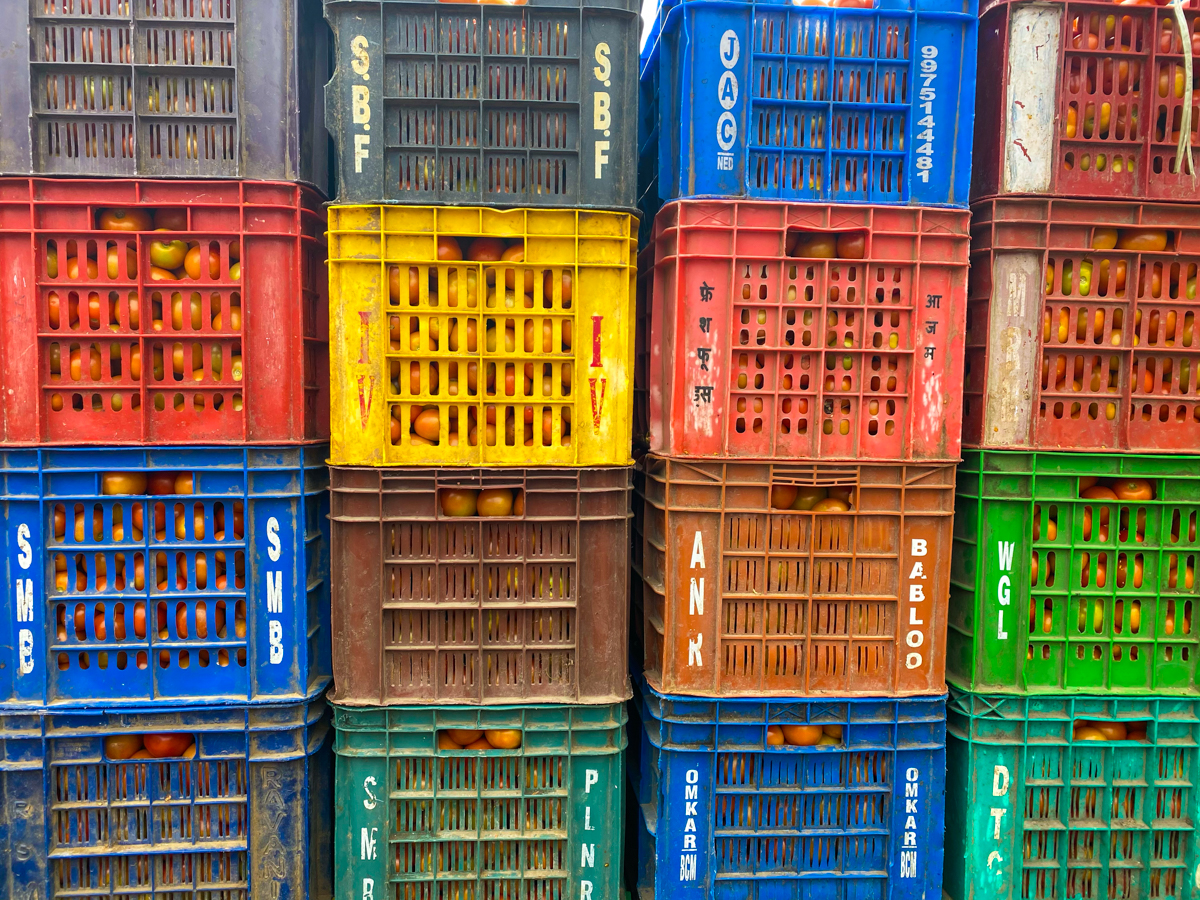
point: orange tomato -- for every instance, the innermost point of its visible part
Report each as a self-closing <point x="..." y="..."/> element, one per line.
<point x="1104" y="238"/>
<point x="122" y="746"/>
<point x="448" y="249"/>
<point x="445" y="742"/>
<point x="1087" y="732"/>
<point x="807" y="497"/>
<point x="184" y="483"/>
<point x="123" y="483"/>
<point x="1152" y="240"/>
<point x="114" y="263"/>
<point x="831" y="504"/>
<point x="93" y="270"/>
<point x="1133" y="489"/>
<point x="191" y="263"/>
<point x="428" y="424"/>
<point x="1098" y="492"/>
<point x="774" y="736"/>
<point x="124" y="220"/>
<point x="802" y="735"/>
<point x="495" y="502"/>
<point x="479" y="744"/>
<point x="516" y="254"/>
<point x="459" y="502"/>
<point x="485" y="249"/>
<point x="503" y="738"/>
<point x="157" y="274"/>
<point x="519" y="503"/>
<point x="816" y="246"/>
<point x="464" y="736"/>
<point x="783" y="495"/>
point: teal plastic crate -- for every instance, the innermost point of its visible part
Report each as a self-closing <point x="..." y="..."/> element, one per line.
<point x="1033" y="813"/>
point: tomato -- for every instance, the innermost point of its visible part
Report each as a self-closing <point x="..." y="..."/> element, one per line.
<point x="852" y="245"/>
<point x="235" y="272"/>
<point x="1112" y="731"/>
<point x="184" y="483"/>
<point x="114" y="263"/>
<point x="516" y="254"/>
<point x="163" y="745"/>
<point x="1150" y="240"/>
<point x="484" y="249"/>
<point x="464" y="736"/>
<point x="1098" y="492"/>
<point x="802" y="735"/>
<point x="157" y="274"/>
<point x="235" y="250"/>
<point x="122" y="746"/>
<point x="833" y="731"/>
<point x="428" y="424"/>
<point x="774" y="736"/>
<point x="479" y="744"/>
<point x="170" y="220"/>
<point x="93" y="270"/>
<point x="504" y="738"/>
<point x="167" y="254"/>
<point x="448" y="249"/>
<point x="495" y="502"/>
<point x="1086" y="732"/>
<point x="565" y="286"/>
<point x="160" y="483"/>
<point x="459" y="502"/>
<point x="816" y="246"/>
<point x="123" y="483"/>
<point x="783" y="495"/>
<point x="831" y="504"/>
<point x="1133" y="489"/>
<point x="807" y="497"/>
<point x="445" y="742"/>
<point x="191" y="263"/>
<point x="124" y="220"/>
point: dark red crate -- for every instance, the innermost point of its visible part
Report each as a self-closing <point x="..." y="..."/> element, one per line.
<point x="1091" y="364"/>
<point x="116" y="326"/>
<point x="1046" y="65"/>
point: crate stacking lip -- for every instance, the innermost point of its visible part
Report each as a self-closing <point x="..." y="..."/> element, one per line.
<point x="1038" y="812"/>
<point x="1052" y="593"/>
<point x="223" y="599"/>
<point x="1100" y="363"/>
<point x="1093" y="111"/>
<point x="542" y="820"/>
<point x="120" y="356"/>
<point x="443" y="609"/>
<point x="759" y="354"/>
<point x="153" y="90"/>
<point x="525" y="104"/>
<point x="772" y="101"/>
<point x="743" y="599"/>
<point x="247" y="812"/>
<point x="565" y="359"/>
<point x="725" y="815"/>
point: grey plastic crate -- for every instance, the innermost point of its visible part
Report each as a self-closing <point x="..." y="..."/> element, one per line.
<point x="531" y="104"/>
<point x="164" y="88"/>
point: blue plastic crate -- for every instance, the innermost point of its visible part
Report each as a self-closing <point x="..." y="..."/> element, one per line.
<point x="249" y="815"/>
<point x="775" y="101"/>
<point x="725" y="817"/>
<point x="263" y="592"/>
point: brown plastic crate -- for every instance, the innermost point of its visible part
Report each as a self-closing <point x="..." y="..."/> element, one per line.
<point x="741" y="599"/>
<point x="433" y="609"/>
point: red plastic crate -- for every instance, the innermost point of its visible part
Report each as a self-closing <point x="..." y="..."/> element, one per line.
<point x="1061" y="370"/>
<point x="281" y="392"/>
<point x="757" y="354"/>
<point x="1031" y="128"/>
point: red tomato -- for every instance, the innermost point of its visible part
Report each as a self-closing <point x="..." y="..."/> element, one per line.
<point x="160" y="483"/>
<point x="170" y="220"/>
<point x="162" y="745"/>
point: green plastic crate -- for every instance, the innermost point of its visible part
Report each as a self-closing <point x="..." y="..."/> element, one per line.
<point x="1032" y="813"/>
<point x="1064" y="628"/>
<point x="413" y="822"/>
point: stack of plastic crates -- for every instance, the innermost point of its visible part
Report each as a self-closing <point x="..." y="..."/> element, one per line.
<point x="801" y="303"/>
<point x="482" y="270"/>
<point x="1071" y="649"/>
<point x="163" y="433"/>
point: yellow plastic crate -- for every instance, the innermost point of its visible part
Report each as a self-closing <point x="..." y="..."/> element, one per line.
<point x="553" y="364"/>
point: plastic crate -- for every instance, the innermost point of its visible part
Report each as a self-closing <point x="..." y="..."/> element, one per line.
<point x="742" y="599"/>
<point x="834" y="105"/>
<point x="261" y="377"/>
<point x="157" y="88"/>
<point x="1036" y="813"/>
<point x="543" y="820"/>
<point x="1051" y="593"/>
<point x="263" y="594"/>
<point x="725" y="815"/>
<point x="437" y="609"/>
<point x="755" y="353"/>
<point x="532" y="104"/>
<point x="1131" y="389"/>
<point x="1032" y="134"/>
<point x="585" y="396"/>
<point x="249" y="814"/>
